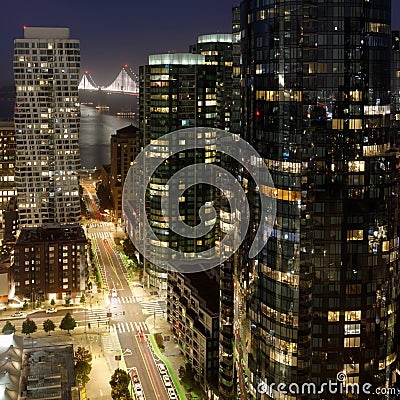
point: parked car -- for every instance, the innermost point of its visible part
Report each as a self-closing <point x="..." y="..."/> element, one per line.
<point x="134" y="375"/>
<point x="162" y="369"/>
<point x="18" y="314"/>
<point x="138" y="389"/>
<point x="172" y="394"/>
<point x="167" y="381"/>
<point x="51" y="310"/>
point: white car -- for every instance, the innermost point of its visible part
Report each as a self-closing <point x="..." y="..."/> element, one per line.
<point x="18" y="314"/>
<point x="138" y="389"/>
<point x="51" y="310"/>
<point x="167" y="381"/>
<point x="172" y="394"/>
<point x="162" y="369"/>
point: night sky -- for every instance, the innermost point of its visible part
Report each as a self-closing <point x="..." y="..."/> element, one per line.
<point x="114" y="33"/>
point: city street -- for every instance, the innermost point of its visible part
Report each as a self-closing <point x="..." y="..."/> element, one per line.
<point x="122" y="312"/>
<point x="112" y="322"/>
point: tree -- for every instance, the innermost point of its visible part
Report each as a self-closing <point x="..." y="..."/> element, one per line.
<point x="28" y="327"/>
<point x="182" y="372"/>
<point x="53" y="302"/>
<point x="120" y="385"/>
<point x="82" y="370"/>
<point x="82" y="365"/>
<point x="81" y="354"/>
<point x="83" y="299"/>
<point x="68" y="323"/>
<point x="8" y="328"/>
<point x="25" y="305"/>
<point x="48" y="326"/>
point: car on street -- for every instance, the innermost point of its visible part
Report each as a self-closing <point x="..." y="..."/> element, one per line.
<point x="167" y="381"/>
<point x="138" y="389"/>
<point x="134" y="375"/>
<point x="172" y="394"/>
<point x="51" y="310"/>
<point x="18" y="314"/>
<point x="162" y="369"/>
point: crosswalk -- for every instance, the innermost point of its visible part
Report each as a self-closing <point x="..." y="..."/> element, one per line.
<point x="149" y="307"/>
<point x="100" y="235"/>
<point x="107" y="343"/>
<point x="154" y="307"/>
<point x="134" y="327"/>
<point x="100" y="224"/>
<point x="126" y="300"/>
<point x="97" y="317"/>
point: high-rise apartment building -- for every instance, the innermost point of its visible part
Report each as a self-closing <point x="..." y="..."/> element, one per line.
<point x="125" y="147"/>
<point x="180" y="91"/>
<point x="7" y="167"/>
<point x="395" y="82"/>
<point x="47" y="115"/>
<point x="323" y="295"/>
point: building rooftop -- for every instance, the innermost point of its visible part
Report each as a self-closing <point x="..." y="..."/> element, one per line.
<point x="45" y="33"/>
<point x="7" y="125"/>
<point x="177" y="59"/>
<point x="10" y="366"/>
<point x="47" y="373"/>
<point x="207" y="288"/>
<point x="51" y="233"/>
<point x="215" y="38"/>
<point x="127" y="131"/>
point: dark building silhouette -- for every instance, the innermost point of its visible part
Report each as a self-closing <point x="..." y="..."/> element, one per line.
<point x="323" y="295"/>
<point x="7" y="167"/>
<point x="125" y="147"/>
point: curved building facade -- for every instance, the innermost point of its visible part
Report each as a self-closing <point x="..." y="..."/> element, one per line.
<point x="322" y="297"/>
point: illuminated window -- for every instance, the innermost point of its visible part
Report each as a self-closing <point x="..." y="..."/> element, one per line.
<point x="352" y="342"/>
<point x="356" y="166"/>
<point x="355" y="234"/>
<point x="355" y="95"/>
<point x="355" y="124"/>
<point x="352" y="329"/>
<point x="352" y="368"/>
<point x="352" y="315"/>
<point x="333" y="316"/>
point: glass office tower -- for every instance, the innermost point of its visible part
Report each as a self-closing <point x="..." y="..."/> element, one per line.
<point x="178" y="91"/>
<point x="322" y="297"/>
<point x="47" y="118"/>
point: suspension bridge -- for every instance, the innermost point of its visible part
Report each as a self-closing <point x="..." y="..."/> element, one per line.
<point x="124" y="83"/>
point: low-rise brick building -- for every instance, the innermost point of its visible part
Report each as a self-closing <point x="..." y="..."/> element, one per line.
<point x="50" y="262"/>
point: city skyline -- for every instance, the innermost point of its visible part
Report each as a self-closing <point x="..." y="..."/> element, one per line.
<point x="171" y="28"/>
<point x="127" y="40"/>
